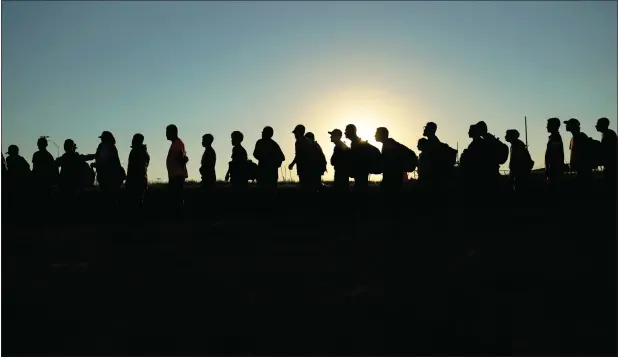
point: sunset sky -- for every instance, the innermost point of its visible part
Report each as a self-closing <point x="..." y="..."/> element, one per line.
<point x="73" y="69"/>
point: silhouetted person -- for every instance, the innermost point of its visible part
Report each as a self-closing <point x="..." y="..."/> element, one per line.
<point x="110" y="173"/>
<point x="302" y="158"/>
<point x="270" y="157"/>
<point x="359" y="165"/>
<point x="209" y="161"/>
<point x="5" y="180"/>
<point x="19" y="175"/>
<point x="237" y="173"/>
<point x="609" y="149"/>
<point x="318" y="161"/>
<point x="554" y="155"/>
<point x="340" y="161"/>
<point x="392" y="161"/>
<point x="44" y="169"/>
<point x="520" y="164"/>
<point x="473" y="162"/>
<point x="176" y="166"/>
<point x="424" y="163"/>
<point x="496" y="152"/>
<point x="439" y="158"/>
<point x="137" y="171"/>
<point x="580" y="153"/>
<point x="74" y="172"/>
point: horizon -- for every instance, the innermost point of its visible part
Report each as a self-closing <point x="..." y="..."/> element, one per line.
<point x="75" y="69"/>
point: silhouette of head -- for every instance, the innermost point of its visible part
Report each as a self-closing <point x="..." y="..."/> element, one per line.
<point x="473" y="132"/>
<point x="299" y="131"/>
<point x="108" y="138"/>
<point x="137" y="141"/>
<point x="237" y="138"/>
<point x="350" y="132"/>
<point x="481" y="127"/>
<point x="602" y="125"/>
<point x="430" y="129"/>
<point x="267" y="132"/>
<point x="381" y="134"/>
<point x="207" y="140"/>
<point x="335" y="135"/>
<point x="42" y="143"/>
<point x="69" y="146"/>
<point x="310" y="137"/>
<point x="13" y="150"/>
<point x="422" y="144"/>
<point x="511" y="135"/>
<point x="171" y="132"/>
<point x="572" y="125"/>
<point x="553" y="125"/>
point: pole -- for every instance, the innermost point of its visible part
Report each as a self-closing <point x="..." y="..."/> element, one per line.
<point x="526" y="130"/>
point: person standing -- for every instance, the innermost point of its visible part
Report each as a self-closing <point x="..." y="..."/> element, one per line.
<point x="237" y="173"/>
<point x="209" y="160"/>
<point x="110" y="173"/>
<point x="302" y="157"/>
<point x="554" y="155"/>
<point x="609" y="152"/>
<point x="580" y="153"/>
<point x="176" y="164"/>
<point x="270" y="157"/>
<point x="340" y="162"/>
<point x="520" y="164"/>
<point x="44" y="170"/>
<point x="137" y="171"/>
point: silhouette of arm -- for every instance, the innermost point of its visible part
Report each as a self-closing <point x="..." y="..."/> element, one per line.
<point x="256" y="150"/>
<point x="88" y="157"/>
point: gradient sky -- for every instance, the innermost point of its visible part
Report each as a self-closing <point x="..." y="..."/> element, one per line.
<point x="73" y="69"/>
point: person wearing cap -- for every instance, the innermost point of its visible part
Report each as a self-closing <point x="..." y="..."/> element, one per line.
<point x="302" y="150"/>
<point x="554" y="154"/>
<point x="137" y="171"/>
<point x="176" y="163"/>
<point x="609" y="150"/>
<point x="317" y="159"/>
<point x="74" y="172"/>
<point x="208" y="163"/>
<point x="44" y="168"/>
<point x="520" y="163"/>
<point x="270" y="157"/>
<point x="580" y="160"/>
<point x="110" y="173"/>
<point x="340" y="161"/>
<point x="19" y="171"/>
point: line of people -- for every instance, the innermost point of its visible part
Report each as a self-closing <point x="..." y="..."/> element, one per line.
<point x="479" y="163"/>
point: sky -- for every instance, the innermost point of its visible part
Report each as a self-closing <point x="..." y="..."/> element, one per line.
<point x="73" y="69"/>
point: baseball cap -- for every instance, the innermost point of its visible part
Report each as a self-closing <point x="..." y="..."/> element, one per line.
<point x="105" y="134"/>
<point x="335" y="132"/>
<point x="572" y="121"/>
<point x="299" y="129"/>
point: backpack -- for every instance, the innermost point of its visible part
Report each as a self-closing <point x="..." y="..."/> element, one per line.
<point x="373" y="158"/>
<point x="594" y="153"/>
<point x="500" y="150"/>
<point x="252" y="170"/>
<point x="448" y="155"/>
<point x="409" y="159"/>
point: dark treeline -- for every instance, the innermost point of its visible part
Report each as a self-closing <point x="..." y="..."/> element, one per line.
<point x="436" y="164"/>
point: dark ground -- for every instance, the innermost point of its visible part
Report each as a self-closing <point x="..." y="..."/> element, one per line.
<point x="331" y="276"/>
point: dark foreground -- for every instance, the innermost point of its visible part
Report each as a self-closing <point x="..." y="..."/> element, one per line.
<point x="459" y="276"/>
